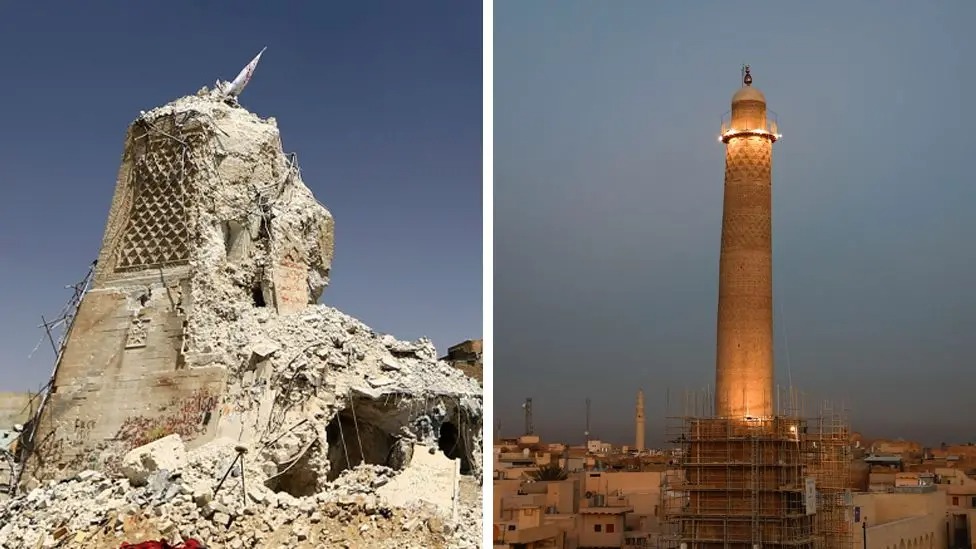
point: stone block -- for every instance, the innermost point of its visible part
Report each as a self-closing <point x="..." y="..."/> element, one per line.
<point x="430" y="477"/>
<point x="166" y="453"/>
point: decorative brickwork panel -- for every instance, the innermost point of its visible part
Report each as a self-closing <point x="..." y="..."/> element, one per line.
<point x="138" y="333"/>
<point x="156" y="233"/>
<point x="749" y="160"/>
<point x="748" y="231"/>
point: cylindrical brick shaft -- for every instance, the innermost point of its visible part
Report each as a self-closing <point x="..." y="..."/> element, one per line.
<point x="744" y="361"/>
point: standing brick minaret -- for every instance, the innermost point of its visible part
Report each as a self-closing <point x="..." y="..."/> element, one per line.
<point x="639" y="422"/>
<point x="744" y="364"/>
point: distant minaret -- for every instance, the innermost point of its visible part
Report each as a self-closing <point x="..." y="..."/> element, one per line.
<point x="639" y="420"/>
<point x="744" y="361"/>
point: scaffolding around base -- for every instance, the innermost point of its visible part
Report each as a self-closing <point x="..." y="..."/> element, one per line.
<point x="782" y="481"/>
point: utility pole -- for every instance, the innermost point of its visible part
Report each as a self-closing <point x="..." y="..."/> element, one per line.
<point x="864" y="528"/>
<point x="586" y="433"/>
<point x="529" y="427"/>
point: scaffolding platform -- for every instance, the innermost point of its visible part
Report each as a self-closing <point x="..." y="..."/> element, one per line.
<point x="782" y="481"/>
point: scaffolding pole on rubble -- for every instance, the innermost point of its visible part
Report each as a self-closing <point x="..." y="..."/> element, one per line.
<point x="67" y="317"/>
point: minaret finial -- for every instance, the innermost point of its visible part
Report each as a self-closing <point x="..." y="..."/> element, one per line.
<point x="746" y="78"/>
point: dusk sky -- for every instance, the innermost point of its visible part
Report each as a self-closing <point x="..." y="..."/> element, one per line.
<point x="381" y="100"/>
<point x="608" y="206"/>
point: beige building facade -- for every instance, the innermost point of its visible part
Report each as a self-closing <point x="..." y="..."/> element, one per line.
<point x="900" y="520"/>
<point x="960" y="498"/>
<point x="589" y="509"/>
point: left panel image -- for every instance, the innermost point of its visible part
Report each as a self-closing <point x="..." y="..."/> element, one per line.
<point x="260" y="324"/>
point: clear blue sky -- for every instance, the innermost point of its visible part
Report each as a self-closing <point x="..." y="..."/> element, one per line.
<point x="608" y="203"/>
<point x="381" y="100"/>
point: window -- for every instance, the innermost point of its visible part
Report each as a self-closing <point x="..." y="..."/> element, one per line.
<point x="974" y="502"/>
<point x="610" y="528"/>
<point x="955" y="500"/>
<point x="597" y="527"/>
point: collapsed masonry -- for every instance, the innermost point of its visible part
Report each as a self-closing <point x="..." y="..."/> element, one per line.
<point x="201" y="322"/>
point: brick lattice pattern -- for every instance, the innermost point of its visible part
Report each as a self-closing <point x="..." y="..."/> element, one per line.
<point x="157" y="230"/>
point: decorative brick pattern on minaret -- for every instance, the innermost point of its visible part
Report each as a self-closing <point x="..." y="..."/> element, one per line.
<point x="744" y="362"/>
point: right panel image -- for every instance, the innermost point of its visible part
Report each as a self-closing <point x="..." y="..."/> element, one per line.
<point x="732" y="276"/>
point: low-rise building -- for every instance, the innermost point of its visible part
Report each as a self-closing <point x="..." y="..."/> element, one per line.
<point x="467" y="357"/>
<point x="588" y="508"/>
<point x="598" y="447"/>
<point x="900" y="519"/>
<point x="641" y="490"/>
<point x="882" y="472"/>
<point x="603" y="522"/>
<point x="959" y="490"/>
<point x="526" y="530"/>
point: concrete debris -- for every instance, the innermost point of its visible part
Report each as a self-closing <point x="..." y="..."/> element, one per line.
<point x="165" y="454"/>
<point x="348" y="437"/>
<point x="431" y="477"/>
<point x="93" y="510"/>
<point x="264" y="348"/>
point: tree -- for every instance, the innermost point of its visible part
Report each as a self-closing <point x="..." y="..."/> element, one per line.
<point x="549" y="472"/>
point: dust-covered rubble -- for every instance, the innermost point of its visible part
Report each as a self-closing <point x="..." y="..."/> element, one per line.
<point x="93" y="509"/>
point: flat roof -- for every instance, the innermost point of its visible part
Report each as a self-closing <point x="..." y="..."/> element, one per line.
<point x="605" y="510"/>
<point x="882" y="459"/>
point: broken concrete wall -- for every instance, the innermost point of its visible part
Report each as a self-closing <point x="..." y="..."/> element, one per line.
<point x="121" y="381"/>
<point x="202" y="322"/>
<point x="188" y="241"/>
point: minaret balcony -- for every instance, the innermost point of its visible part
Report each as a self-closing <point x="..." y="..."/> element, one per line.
<point x="769" y="128"/>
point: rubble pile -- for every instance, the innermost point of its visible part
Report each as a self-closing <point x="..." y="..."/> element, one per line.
<point x="95" y="510"/>
<point x="326" y="431"/>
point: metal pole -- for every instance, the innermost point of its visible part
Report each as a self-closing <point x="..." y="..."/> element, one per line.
<point x="47" y="329"/>
<point x="226" y="474"/>
<point x="864" y="527"/>
<point x="241" y="450"/>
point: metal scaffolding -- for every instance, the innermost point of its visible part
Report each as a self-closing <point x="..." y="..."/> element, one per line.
<point x="757" y="482"/>
<point x="829" y="446"/>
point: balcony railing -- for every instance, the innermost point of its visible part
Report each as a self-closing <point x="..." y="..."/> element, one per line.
<point x="769" y="129"/>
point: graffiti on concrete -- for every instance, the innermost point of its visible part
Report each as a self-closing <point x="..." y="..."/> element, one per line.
<point x="187" y="416"/>
<point x="189" y="419"/>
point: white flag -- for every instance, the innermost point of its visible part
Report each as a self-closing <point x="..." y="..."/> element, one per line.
<point x="237" y="86"/>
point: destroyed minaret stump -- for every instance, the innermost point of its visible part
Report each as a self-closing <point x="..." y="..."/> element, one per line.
<point x="202" y="320"/>
<point x="209" y="217"/>
<point x="744" y="362"/>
